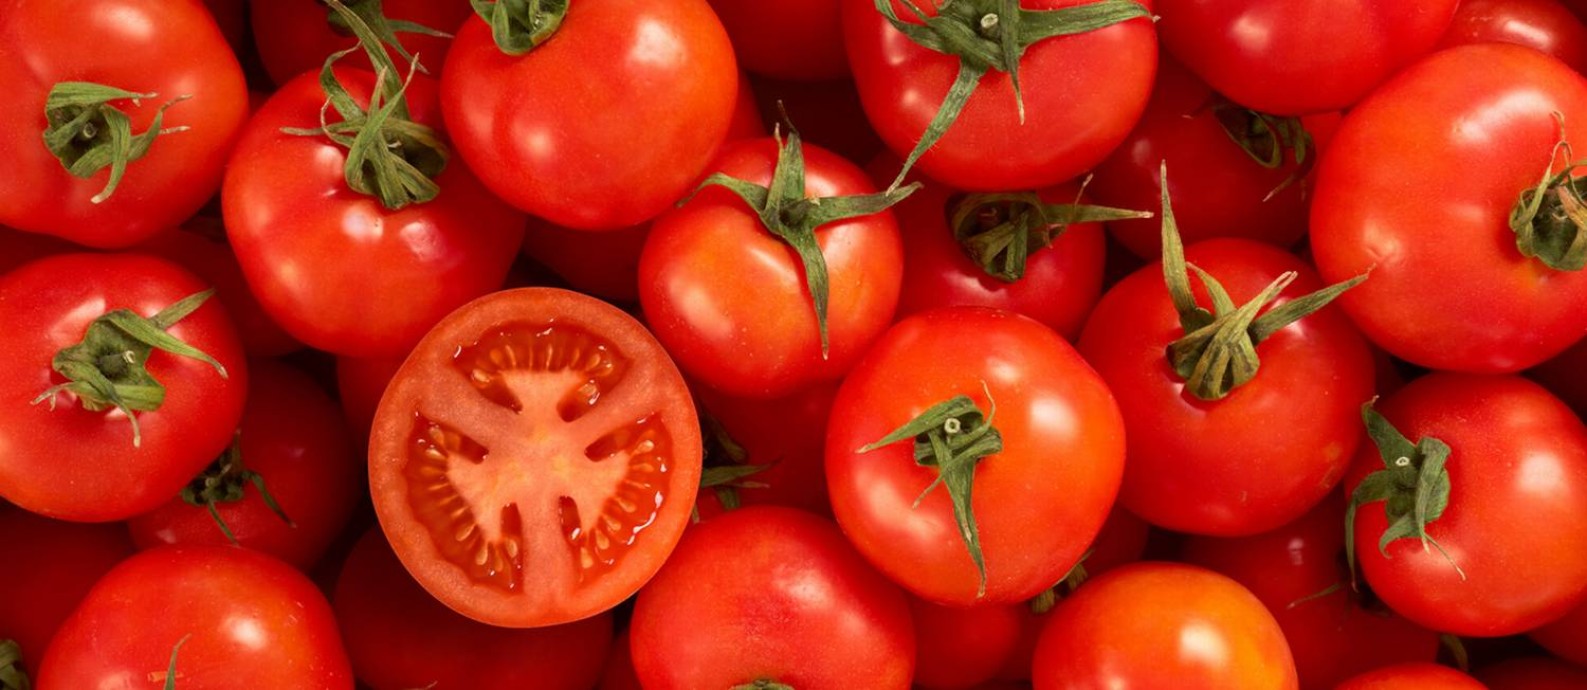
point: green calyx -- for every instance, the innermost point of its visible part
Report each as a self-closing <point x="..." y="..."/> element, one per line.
<point x="170" y="669"/>
<point x="223" y="482"/>
<point x="1269" y="140"/>
<point x="11" y="675"/>
<point x="518" y="26"/>
<point x="953" y="436"/>
<point x="107" y="369"/>
<point x="1413" y="486"/>
<point x="999" y="232"/>
<point x="1550" y="220"/>
<point x="373" y="15"/>
<point x="790" y="216"/>
<point x="993" y="35"/>
<point x="762" y="684"/>
<point x="1217" y="353"/>
<point x="1071" y="581"/>
<point x="88" y="134"/>
<point x="389" y="156"/>
<point x="727" y="467"/>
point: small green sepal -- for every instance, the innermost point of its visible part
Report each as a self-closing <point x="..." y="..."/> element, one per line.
<point x="1550" y="220"/>
<point x="999" y="232"/>
<point x="87" y="134"/>
<point x="519" y="26"/>
<point x="1413" y="487"/>
<point x="373" y="15"/>
<point x="224" y="482"/>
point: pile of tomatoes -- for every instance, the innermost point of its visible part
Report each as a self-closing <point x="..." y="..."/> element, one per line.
<point x="794" y="344"/>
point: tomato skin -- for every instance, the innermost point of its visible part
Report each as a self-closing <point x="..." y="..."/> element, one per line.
<point x="522" y="122"/>
<point x="1566" y="637"/>
<point x="729" y="299"/>
<point x="1504" y="433"/>
<point x="1533" y="673"/>
<point x="828" y="114"/>
<point x="1082" y="95"/>
<point x="793" y="588"/>
<point x="213" y="260"/>
<point x="620" y="674"/>
<point x="1063" y="454"/>
<point x="54" y="564"/>
<point x="1545" y="25"/>
<point x="604" y="264"/>
<point x="800" y="40"/>
<point x="1449" y="289"/>
<point x="1143" y="625"/>
<point x="1259" y="457"/>
<point x="787" y="433"/>
<point x="243" y="615"/>
<point x="963" y="647"/>
<point x="295" y="36"/>
<point x="360" y="382"/>
<point x="1416" y="676"/>
<point x="1280" y="57"/>
<point x="90" y="471"/>
<point x="296" y="226"/>
<point x="169" y="47"/>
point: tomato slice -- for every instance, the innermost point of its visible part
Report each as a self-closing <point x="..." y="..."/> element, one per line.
<point x="535" y="459"/>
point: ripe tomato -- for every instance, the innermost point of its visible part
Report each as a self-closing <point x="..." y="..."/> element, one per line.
<point x="603" y="264"/>
<point x="1449" y="288"/>
<point x="398" y="637"/>
<point x="794" y="590"/>
<point x="163" y="49"/>
<point x="1037" y="501"/>
<point x="787" y="436"/>
<point x="1566" y="637"/>
<point x="295" y="36"/>
<point x="1517" y="458"/>
<point x="619" y="674"/>
<point x="202" y="249"/>
<point x="1163" y="625"/>
<point x="62" y="459"/>
<point x="958" y="647"/>
<point x="787" y="39"/>
<point x="1417" y="676"/>
<point x="535" y="459"/>
<point x="222" y="613"/>
<point x="1533" y="673"/>
<point x="578" y="131"/>
<point x="1542" y="24"/>
<point x="53" y="565"/>
<point x="1279" y="57"/>
<point x="360" y="382"/>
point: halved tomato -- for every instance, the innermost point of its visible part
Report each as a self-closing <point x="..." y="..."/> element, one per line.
<point x="535" y="459"/>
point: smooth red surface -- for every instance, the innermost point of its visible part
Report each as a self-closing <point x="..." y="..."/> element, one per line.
<point x="788" y="434"/>
<point x="209" y="257"/>
<point x="1566" y="637"/>
<point x="958" y="647"/>
<point x="53" y="565"/>
<point x="1546" y="25"/>
<point x="1419" y="676"/>
<point x="786" y="39"/>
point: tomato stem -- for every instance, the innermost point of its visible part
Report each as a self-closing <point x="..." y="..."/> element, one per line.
<point x="1266" y="139"/>
<point x="999" y="232"/>
<point x="1550" y="220"/>
<point x="224" y="481"/>
<point x="87" y="134"/>
<point x="519" y="26"/>
<point x="373" y="15"/>
<point x="11" y="675"/>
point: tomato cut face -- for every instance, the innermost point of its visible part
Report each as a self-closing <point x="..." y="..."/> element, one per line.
<point x="535" y="459"/>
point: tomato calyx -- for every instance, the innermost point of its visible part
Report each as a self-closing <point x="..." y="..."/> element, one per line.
<point x="1268" y="140"/>
<point x="373" y="14"/>
<point x="762" y="684"/>
<point x="992" y="34"/>
<point x="787" y="214"/>
<point x="12" y="676"/>
<point x="1000" y="231"/>
<point x="223" y="482"/>
<point x="1550" y="220"/>
<point x="1070" y="582"/>
<point x="1413" y="486"/>
<point x="107" y="369"/>
<point x="87" y="134"/>
<point x="953" y="436"/>
<point x="519" y="26"/>
<point x="1217" y="353"/>
<point x="727" y="468"/>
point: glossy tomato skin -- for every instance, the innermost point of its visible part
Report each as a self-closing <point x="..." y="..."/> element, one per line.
<point x="548" y="432"/>
<point x="360" y="382"/>
<point x="1288" y="57"/>
<point x="73" y="464"/>
<point x="1504" y="433"/>
<point x="791" y="590"/>
<point x="1546" y="25"/>
<point x="604" y="264"/>
<point x="1566" y="637"/>
<point x="1037" y="504"/>
<point x="1271" y="449"/>
<point x="1449" y="288"/>
<point x="1533" y="673"/>
<point x="54" y="564"/>
<point x="576" y="131"/>
<point x="210" y="258"/>
<point x="1416" y="676"/>
<point x="292" y="435"/>
<point x="242" y="614"/>
<point x="1154" y="625"/>
<point x="297" y="227"/>
<point x="729" y="299"/>
<point x="1082" y="95"/>
<point x="788" y="434"/>
<point x="786" y="39"/>
<point x="399" y="637"/>
<point x="168" y="47"/>
<point x="295" y="36"/>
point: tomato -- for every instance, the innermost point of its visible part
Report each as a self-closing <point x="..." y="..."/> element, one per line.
<point x="201" y="249"/>
<point x="620" y="674"/>
<point x="295" y="36"/>
<point x="223" y="613"/>
<point x="962" y="647"/>
<point x="1161" y="625"/>
<point x="296" y="226"/>
<point x="730" y="300"/>
<point x="398" y="637"/>
<point x="1449" y="288"/>
<point x="786" y="436"/>
<point x="577" y="131"/>
<point x="360" y="381"/>
<point x="787" y="39"/>
<point x="53" y="565"/>
<point x="1517" y="458"/>
<point x="1038" y="499"/>
<point x="604" y="264"/>
<point x="795" y="588"/>
<point x="165" y="49"/>
<point x="1279" y="57"/>
<point x="535" y="459"/>
<point x="1268" y="451"/>
<point x="293" y="438"/>
<point x="1417" y="676"/>
<point x="1566" y="637"/>
<point x="1533" y="673"/>
<point x="231" y="17"/>
<point x="58" y="457"/>
<point x="1542" y="24"/>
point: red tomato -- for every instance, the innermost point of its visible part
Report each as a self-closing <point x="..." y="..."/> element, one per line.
<point x="1566" y="637"/>
<point x="1082" y="94"/>
<point x="1542" y="24"/>
<point x="295" y="36"/>
<point x="61" y="459"/>
<point x="1517" y="459"/>
<point x="360" y="381"/>
<point x="1417" y="676"/>
<point x="535" y="459"/>
<point x="1281" y="57"/>
<point x="209" y="257"/>
<point x="1036" y="503"/>
<point x="1163" y="625"/>
<point x="787" y="436"/>
<point x="786" y="39"/>
<point x="963" y="647"/>
<point x="578" y="131"/>
<point x="1533" y="673"/>
<point x="53" y="566"/>
<point x="603" y="264"/>
<point x="398" y="637"/>
<point x="1449" y="288"/>
<point x="231" y="17"/>
<point x="223" y="613"/>
<point x="297" y="227"/>
<point x="620" y="673"/>
<point x="169" y="49"/>
<point x="797" y="607"/>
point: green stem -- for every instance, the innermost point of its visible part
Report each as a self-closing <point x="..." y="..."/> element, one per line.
<point x="519" y="26"/>
<point x="1550" y="220"/>
<point x="87" y="134"/>
<point x="999" y="232"/>
<point x="1413" y="486"/>
<point x="12" y="677"/>
<point x="373" y="15"/>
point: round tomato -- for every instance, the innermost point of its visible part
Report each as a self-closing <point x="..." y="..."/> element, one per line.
<point x="603" y="264"/>
<point x="535" y="459"/>
<point x="1542" y="24"/>
<point x="205" y="253"/>
<point x="157" y="56"/>
<point x="295" y="36"/>
<point x="1566" y="637"/>
<point x="360" y="382"/>
<point x="1533" y="673"/>
<point x="786" y="39"/>
<point x="54" y="564"/>
<point x="1417" y="676"/>
<point x="958" y="647"/>
<point x="784" y="436"/>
